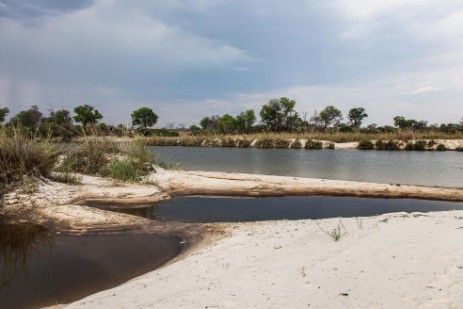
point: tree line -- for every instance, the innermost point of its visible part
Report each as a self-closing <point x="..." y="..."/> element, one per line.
<point x="60" y="123"/>
<point x="278" y="115"/>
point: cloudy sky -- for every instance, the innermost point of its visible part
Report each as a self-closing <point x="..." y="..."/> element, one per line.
<point x="187" y="59"/>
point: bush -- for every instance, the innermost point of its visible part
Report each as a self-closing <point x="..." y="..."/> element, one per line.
<point x="311" y="144"/>
<point x="124" y="170"/>
<point x="90" y="157"/>
<point x="331" y="146"/>
<point x="296" y="144"/>
<point x="365" y="145"/>
<point x="441" y="147"/>
<point x="390" y="145"/>
<point x="459" y="148"/>
<point x="417" y="146"/>
<point x="21" y="156"/>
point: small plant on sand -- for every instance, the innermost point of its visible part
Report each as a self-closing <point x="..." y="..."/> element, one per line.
<point x="331" y="146"/>
<point x="335" y="233"/>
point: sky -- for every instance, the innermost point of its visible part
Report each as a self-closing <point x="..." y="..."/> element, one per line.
<point x="187" y="59"/>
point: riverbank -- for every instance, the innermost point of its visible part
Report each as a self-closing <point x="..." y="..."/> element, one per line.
<point x="409" y="142"/>
<point x="68" y="208"/>
<point x="257" y="264"/>
<point x="392" y="261"/>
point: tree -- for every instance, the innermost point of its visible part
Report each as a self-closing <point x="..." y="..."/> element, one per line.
<point x="144" y="117"/>
<point x="209" y="123"/>
<point x="3" y="112"/>
<point x="403" y="123"/>
<point x="356" y="116"/>
<point x="86" y="114"/>
<point x="245" y="121"/>
<point x="271" y="115"/>
<point x="279" y="114"/>
<point x="329" y="116"/>
<point x="63" y="118"/>
<point x="226" y="124"/>
<point x="30" y="118"/>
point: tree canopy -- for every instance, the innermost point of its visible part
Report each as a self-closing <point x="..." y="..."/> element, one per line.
<point x="87" y="114"/>
<point x="356" y="116"/>
<point x="329" y="116"/>
<point x="3" y="112"/>
<point x="144" y="117"/>
<point x="279" y="115"/>
<point x="29" y="118"/>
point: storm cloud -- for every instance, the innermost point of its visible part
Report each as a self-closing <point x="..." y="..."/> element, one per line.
<point x="187" y="59"/>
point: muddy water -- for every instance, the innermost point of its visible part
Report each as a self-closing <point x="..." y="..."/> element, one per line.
<point x="201" y="209"/>
<point x="39" y="268"/>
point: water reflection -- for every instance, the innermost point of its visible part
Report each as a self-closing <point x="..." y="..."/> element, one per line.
<point x="18" y="242"/>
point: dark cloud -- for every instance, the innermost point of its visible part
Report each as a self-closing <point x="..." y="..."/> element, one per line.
<point x="31" y="9"/>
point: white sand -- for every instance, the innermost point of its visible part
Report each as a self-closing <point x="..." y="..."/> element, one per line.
<point x="406" y="261"/>
<point x="391" y="261"/>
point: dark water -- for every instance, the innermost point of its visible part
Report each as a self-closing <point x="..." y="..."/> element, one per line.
<point x="404" y="167"/>
<point x="201" y="209"/>
<point x="38" y="268"/>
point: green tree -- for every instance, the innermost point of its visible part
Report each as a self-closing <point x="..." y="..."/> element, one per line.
<point x="329" y="116"/>
<point x="87" y="114"/>
<point x="226" y="124"/>
<point x="279" y="114"/>
<point x="63" y="118"/>
<point x="245" y="121"/>
<point x="403" y="123"/>
<point x="29" y="119"/>
<point x="3" y="112"/>
<point x="204" y="123"/>
<point x="144" y="117"/>
<point x="356" y="116"/>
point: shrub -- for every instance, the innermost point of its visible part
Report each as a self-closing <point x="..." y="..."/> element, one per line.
<point x="390" y="145"/>
<point x="365" y="145"/>
<point x="21" y="156"/>
<point x="421" y="145"/>
<point x="311" y="144"/>
<point x="331" y="146"/>
<point x="441" y="147"/>
<point x="124" y="170"/>
<point x="459" y="148"/>
<point x="296" y="144"/>
<point x="281" y="143"/>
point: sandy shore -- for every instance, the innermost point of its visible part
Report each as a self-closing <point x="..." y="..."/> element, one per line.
<point x="390" y="261"/>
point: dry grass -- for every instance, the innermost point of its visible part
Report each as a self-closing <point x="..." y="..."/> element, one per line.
<point x="266" y="140"/>
<point x="22" y="156"/>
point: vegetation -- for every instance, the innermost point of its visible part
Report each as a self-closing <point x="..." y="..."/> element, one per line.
<point x="365" y="145"/>
<point x="87" y="114"/>
<point x="144" y="117"/>
<point x="21" y="156"/>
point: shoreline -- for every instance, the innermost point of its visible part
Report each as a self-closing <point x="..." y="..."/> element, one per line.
<point x="67" y="208"/>
<point x="64" y="208"/>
